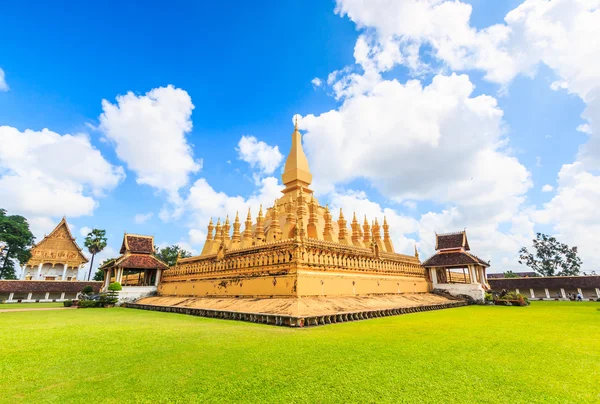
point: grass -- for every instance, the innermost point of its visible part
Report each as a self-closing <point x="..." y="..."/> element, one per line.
<point x="9" y="306"/>
<point x="548" y="352"/>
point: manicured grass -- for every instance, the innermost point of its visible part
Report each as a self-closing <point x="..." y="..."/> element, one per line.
<point x="548" y="352"/>
<point x="8" y="306"/>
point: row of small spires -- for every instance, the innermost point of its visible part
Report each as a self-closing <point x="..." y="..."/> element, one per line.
<point x="223" y="231"/>
<point x="368" y="236"/>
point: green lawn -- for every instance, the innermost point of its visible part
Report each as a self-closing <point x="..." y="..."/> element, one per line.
<point x="8" y="306"/>
<point x="548" y="352"/>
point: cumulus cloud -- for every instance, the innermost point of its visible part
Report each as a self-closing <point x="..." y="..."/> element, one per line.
<point x="547" y="188"/>
<point x="149" y="133"/>
<point x="3" y="84"/>
<point x="561" y="34"/>
<point x="573" y="212"/>
<point x="44" y="174"/>
<point x="259" y="154"/>
<point x="84" y="231"/>
<point x="446" y="145"/>
<point x="142" y="217"/>
<point x="316" y="82"/>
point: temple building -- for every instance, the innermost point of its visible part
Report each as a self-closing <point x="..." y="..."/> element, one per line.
<point x="138" y="270"/>
<point x="454" y="269"/>
<point x="56" y="258"/>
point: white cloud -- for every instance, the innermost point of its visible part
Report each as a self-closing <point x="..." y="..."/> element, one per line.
<point x="316" y="82"/>
<point x="44" y="174"/>
<point x="84" y="231"/>
<point x="538" y="161"/>
<point x="574" y="212"/>
<point x="562" y="34"/>
<point x="547" y="188"/>
<point x="585" y="128"/>
<point x="149" y="133"/>
<point x="3" y="84"/>
<point x="259" y="154"/>
<point x="447" y="146"/>
<point x="142" y="217"/>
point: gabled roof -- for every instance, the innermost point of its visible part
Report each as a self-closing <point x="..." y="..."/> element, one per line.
<point x="136" y="243"/>
<point x="453" y="259"/>
<point x="452" y="240"/>
<point x="63" y="242"/>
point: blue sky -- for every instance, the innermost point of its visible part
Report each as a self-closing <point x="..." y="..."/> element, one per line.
<point x="249" y="67"/>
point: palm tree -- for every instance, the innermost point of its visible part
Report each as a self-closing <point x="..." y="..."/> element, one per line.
<point x="95" y="242"/>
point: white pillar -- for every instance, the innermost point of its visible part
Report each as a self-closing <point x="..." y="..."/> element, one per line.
<point x="39" y="274"/>
<point x="579" y="291"/>
<point x="157" y="279"/>
<point x="10" y="297"/>
<point x="47" y="297"/>
<point x="547" y="293"/>
<point x="562" y="292"/>
<point x="23" y="272"/>
<point x="64" y="275"/>
<point x="434" y="280"/>
<point x="598" y="292"/>
<point x="62" y="296"/>
<point x="532" y="294"/>
<point x="29" y="296"/>
<point x="517" y="290"/>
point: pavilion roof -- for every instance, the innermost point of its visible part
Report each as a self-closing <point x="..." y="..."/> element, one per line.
<point x="136" y="261"/>
<point x="454" y="259"/>
<point x="452" y="240"/>
<point x="135" y="243"/>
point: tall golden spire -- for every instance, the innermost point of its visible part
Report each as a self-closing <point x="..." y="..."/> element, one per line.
<point x="296" y="172"/>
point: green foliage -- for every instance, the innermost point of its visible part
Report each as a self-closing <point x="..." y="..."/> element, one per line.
<point x="115" y="286"/>
<point x="84" y="304"/>
<point x="170" y="254"/>
<point x="95" y="242"/>
<point x="99" y="275"/>
<point x="488" y="297"/>
<point x="15" y="243"/>
<point x="551" y="258"/>
<point x="510" y="274"/>
<point x="68" y="303"/>
<point x="111" y="297"/>
<point x="87" y="289"/>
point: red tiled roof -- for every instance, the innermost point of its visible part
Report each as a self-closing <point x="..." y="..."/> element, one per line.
<point x="140" y="261"/>
<point x="137" y="244"/>
<point x="452" y="240"/>
<point x="453" y="259"/>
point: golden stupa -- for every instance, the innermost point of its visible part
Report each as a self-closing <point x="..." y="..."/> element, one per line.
<point x="295" y="248"/>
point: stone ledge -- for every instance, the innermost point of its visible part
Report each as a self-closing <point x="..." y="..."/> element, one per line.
<point x="293" y="321"/>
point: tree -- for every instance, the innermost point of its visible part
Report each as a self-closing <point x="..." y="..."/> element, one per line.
<point x="16" y="241"/>
<point x="169" y="254"/>
<point x="95" y="242"/>
<point x="552" y="258"/>
<point x="510" y="274"/>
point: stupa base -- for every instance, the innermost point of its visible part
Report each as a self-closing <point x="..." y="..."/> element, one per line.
<point x="299" y="311"/>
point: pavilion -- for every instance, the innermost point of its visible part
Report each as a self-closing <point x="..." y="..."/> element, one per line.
<point x="454" y="269"/>
<point x="137" y="269"/>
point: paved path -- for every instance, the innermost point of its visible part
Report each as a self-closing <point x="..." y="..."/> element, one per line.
<point x="37" y="309"/>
